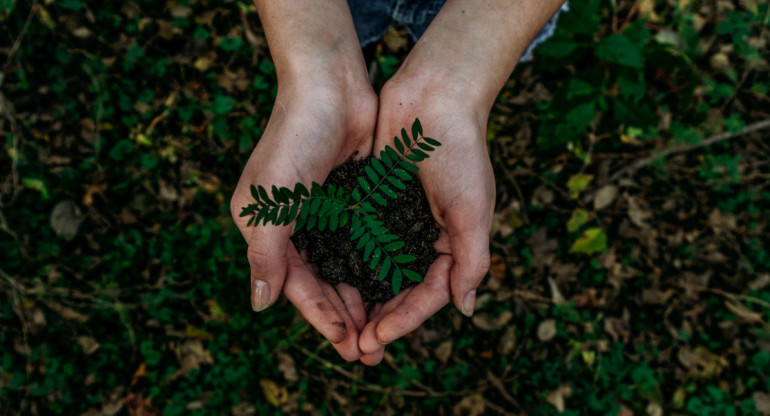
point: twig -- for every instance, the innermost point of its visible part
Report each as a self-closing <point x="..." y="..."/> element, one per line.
<point x="17" y="42"/>
<point x="630" y="169"/>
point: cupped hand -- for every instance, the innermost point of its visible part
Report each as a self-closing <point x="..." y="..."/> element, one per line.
<point x="311" y="130"/>
<point x="459" y="184"/>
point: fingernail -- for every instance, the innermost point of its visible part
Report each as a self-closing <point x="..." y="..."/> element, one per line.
<point x="468" y="303"/>
<point x="261" y="296"/>
<point x="383" y="343"/>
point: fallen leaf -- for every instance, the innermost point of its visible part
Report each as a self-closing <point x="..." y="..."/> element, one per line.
<point x="287" y="367"/>
<point x="473" y="405"/>
<point x="546" y="330"/>
<point x="593" y="240"/>
<point x="605" y="197"/>
<point x="762" y="402"/>
<point x="557" y="397"/>
<point x="275" y="395"/>
<point x="88" y="344"/>
<point x="484" y="322"/>
<point x="578" y="218"/>
<point x="577" y="183"/>
<point x="556" y="295"/>
<point x="444" y="351"/>
<point x="66" y="218"/>
<point x="139" y="406"/>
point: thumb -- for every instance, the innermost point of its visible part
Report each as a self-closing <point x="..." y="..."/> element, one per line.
<point x="267" y="259"/>
<point x="470" y="252"/>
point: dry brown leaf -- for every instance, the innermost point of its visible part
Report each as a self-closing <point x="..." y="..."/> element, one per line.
<point x="762" y="401"/>
<point x="444" y="351"/>
<point x="88" y="344"/>
<point x="557" y="397"/>
<point x="485" y="322"/>
<point x="66" y="218"/>
<point x="287" y="367"/>
<point x="546" y="330"/>
<point x="473" y="405"/>
<point x="605" y="196"/>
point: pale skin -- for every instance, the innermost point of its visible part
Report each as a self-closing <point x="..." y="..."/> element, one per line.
<point x="326" y="112"/>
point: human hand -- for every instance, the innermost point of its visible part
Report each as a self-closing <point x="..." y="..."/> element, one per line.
<point x="459" y="184"/>
<point x="312" y="129"/>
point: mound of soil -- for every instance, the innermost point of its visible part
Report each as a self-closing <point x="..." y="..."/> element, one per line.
<point x="336" y="257"/>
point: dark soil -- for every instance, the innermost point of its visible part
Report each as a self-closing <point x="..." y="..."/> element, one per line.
<point x="408" y="217"/>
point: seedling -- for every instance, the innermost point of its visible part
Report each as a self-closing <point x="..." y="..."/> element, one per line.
<point x="330" y="207"/>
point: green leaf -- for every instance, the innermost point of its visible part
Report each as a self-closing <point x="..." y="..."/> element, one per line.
<point x="395" y="182"/>
<point x="330" y="190"/>
<point x="362" y="242"/>
<point x="402" y="174"/>
<point x="394" y="246"/>
<point x="387" y="191"/>
<point x="410" y="167"/>
<point x="579" y="217"/>
<point x="366" y="207"/>
<point x="404" y="258"/>
<point x="396" y="281"/>
<point x="593" y="240"/>
<point x="375" y="259"/>
<point x="278" y="196"/>
<point x="300" y="190"/>
<point x="379" y="199"/>
<point x="316" y="189"/>
<point x="368" y="249"/>
<point x="619" y="49"/>
<point x="254" y="192"/>
<point x="432" y="142"/>
<point x="379" y="167"/>
<point x="315" y="204"/>
<point x="282" y="215"/>
<point x="364" y="185"/>
<point x="425" y="147"/>
<point x="356" y="194"/>
<point x="356" y="233"/>
<point x="404" y="136"/>
<point x="413" y="276"/>
<point x="334" y="220"/>
<point x="416" y="129"/>
<point x="311" y="221"/>
<point x="371" y="174"/>
<point x="392" y="153"/>
<point x="343" y="218"/>
<point x="263" y="195"/>
<point x="231" y="43"/>
<point x="384" y="238"/>
<point x="385" y="157"/>
<point x="399" y="145"/>
<point x="292" y="214"/>
<point x="322" y="222"/>
<point x="384" y="269"/>
<point x="420" y="153"/>
<point x="260" y="216"/>
<point x="414" y="157"/>
<point x="577" y="183"/>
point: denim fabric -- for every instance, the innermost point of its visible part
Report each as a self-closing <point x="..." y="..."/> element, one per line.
<point x="372" y="19"/>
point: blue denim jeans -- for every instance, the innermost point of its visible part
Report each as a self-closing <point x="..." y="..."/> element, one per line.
<point x="372" y="19"/>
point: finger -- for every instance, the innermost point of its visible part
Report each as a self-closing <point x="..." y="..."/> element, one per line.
<point x="470" y="252"/>
<point x="305" y="292"/>
<point x="368" y="342"/>
<point x="348" y="348"/>
<point x="374" y="358"/>
<point x="267" y="260"/>
<point x="353" y="304"/>
<point x="425" y="300"/>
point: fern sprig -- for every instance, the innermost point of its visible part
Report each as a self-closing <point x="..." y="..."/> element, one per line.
<point x="331" y="207"/>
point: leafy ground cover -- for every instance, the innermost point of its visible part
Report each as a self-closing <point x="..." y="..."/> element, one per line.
<point x="630" y="270"/>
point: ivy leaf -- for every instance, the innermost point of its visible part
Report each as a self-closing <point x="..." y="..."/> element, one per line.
<point x="593" y="240"/>
<point x="413" y="276"/>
